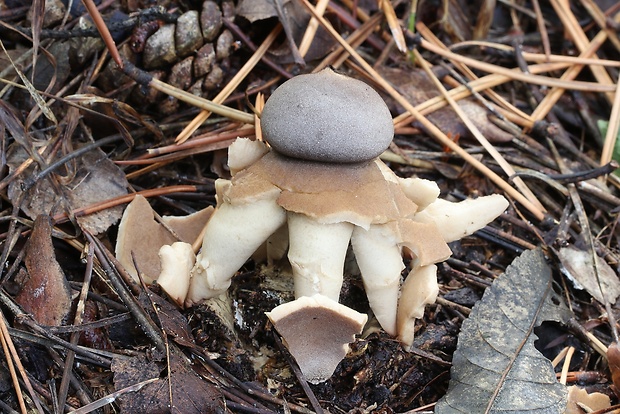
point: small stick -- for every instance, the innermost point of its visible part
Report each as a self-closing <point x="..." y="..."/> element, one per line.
<point x="103" y="31"/>
<point x="313" y="25"/>
<point x="300" y="376"/>
<point x="542" y="29"/>
<point x="587" y="233"/>
<point x="571" y="73"/>
<point x="241" y="35"/>
<point x="516" y="74"/>
<point x="127" y="198"/>
<point x="573" y="28"/>
<point x="75" y="336"/>
<point x="140" y="315"/>
<point x="394" y="25"/>
<point x="612" y="129"/>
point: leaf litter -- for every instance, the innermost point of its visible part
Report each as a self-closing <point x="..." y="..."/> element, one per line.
<point x="545" y="129"/>
<point x="496" y="367"/>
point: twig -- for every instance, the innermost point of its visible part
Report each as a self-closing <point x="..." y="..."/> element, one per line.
<point x="573" y="28"/>
<point x="311" y="28"/>
<point x="124" y="199"/>
<point x="611" y="137"/>
<point x="104" y="31"/>
<point x="246" y="387"/>
<point x="79" y="313"/>
<point x="7" y="344"/>
<point x="300" y="376"/>
<point x="587" y="233"/>
<point x="267" y="61"/>
<point x="143" y="320"/>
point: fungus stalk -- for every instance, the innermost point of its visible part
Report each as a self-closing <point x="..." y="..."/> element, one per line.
<point x="419" y="289"/>
<point x="231" y="236"/>
<point x="177" y="261"/>
<point x="379" y="259"/>
<point x="317" y="252"/>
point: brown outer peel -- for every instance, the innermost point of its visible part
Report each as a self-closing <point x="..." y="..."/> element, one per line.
<point x="317" y="330"/>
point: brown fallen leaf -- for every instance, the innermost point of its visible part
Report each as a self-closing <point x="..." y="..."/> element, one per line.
<point x="580" y="270"/>
<point x="613" y="358"/>
<point x="95" y="337"/>
<point x="255" y="10"/>
<point x="96" y="179"/>
<point x="173" y="323"/>
<point x="455" y="18"/>
<point x="496" y="367"/>
<point x="45" y="294"/>
<point x="294" y="20"/>
<point x="180" y="389"/>
<point x="415" y="85"/>
<point x="578" y="399"/>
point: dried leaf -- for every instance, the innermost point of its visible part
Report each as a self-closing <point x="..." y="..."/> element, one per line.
<point x="255" y="10"/>
<point x="613" y="358"/>
<point x="172" y="322"/>
<point x="496" y="367"/>
<point x="294" y="19"/>
<point x="579" y="269"/>
<point x="418" y="88"/>
<point x="96" y="179"/>
<point x="484" y="19"/>
<point x="36" y="96"/>
<point x="45" y="294"/>
<point x="189" y="393"/>
<point x="454" y="18"/>
<point x="578" y="399"/>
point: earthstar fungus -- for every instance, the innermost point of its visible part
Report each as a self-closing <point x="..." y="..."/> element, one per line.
<point x="323" y="180"/>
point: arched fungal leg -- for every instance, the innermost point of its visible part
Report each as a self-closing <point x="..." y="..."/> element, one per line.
<point x="233" y="233"/>
<point x="419" y="289"/>
<point x="379" y="260"/>
<point x="316" y="253"/>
